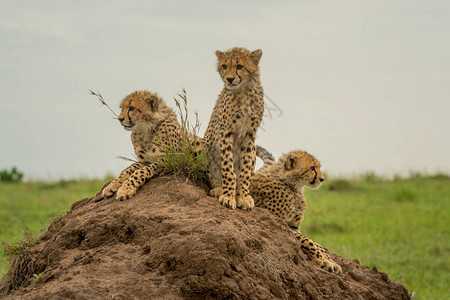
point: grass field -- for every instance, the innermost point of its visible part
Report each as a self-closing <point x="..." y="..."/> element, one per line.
<point x="32" y="206"/>
<point x="400" y="226"/>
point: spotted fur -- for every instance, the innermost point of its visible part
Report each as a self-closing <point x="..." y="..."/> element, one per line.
<point x="232" y="128"/>
<point x="154" y="129"/>
<point x="278" y="186"/>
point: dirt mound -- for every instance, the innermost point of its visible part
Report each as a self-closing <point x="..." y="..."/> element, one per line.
<point x="172" y="241"/>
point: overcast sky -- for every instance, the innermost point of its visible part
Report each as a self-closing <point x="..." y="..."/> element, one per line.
<point x="362" y="85"/>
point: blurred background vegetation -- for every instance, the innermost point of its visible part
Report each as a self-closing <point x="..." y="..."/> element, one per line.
<point x="12" y="175"/>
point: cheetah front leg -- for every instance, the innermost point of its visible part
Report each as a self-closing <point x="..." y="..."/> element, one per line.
<point x="214" y="176"/>
<point x="136" y="180"/>
<point x="247" y="167"/>
<point x="296" y="218"/>
<point x="216" y="192"/>
<point x="228" y="176"/>
<point x="317" y="253"/>
<point x="114" y="185"/>
<point x="214" y="171"/>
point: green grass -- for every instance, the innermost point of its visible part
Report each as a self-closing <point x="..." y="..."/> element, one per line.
<point x="400" y="226"/>
<point x="31" y="206"/>
<point x="187" y="160"/>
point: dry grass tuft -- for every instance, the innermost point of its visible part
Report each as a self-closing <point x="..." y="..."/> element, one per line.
<point x="187" y="161"/>
<point x="18" y="257"/>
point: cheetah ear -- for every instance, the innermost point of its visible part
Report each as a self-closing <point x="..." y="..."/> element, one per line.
<point x="289" y="163"/>
<point x="219" y="54"/>
<point x="256" y="56"/>
<point x="153" y="101"/>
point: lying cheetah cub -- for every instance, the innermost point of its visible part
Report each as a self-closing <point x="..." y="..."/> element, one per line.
<point x="232" y="128"/>
<point x="278" y="187"/>
<point x="153" y="126"/>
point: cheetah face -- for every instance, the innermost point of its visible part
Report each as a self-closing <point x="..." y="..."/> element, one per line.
<point x="237" y="66"/>
<point x="138" y="109"/>
<point x="303" y="169"/>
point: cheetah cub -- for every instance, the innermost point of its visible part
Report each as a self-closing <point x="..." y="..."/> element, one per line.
<point x="231" y="131"/>
<point x="278" y="187"/>
<point x="154" y="129"/>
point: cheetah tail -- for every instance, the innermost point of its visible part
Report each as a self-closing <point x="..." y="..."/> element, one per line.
<point x="265" y="155"/>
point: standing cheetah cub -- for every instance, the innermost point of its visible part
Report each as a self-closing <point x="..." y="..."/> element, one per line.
<point x="232" y="128"/>
<point x="278" y="187"/>
<point x="155" y="129"/>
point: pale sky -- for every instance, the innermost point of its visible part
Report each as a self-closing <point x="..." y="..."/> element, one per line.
<point x="362" y="85"/>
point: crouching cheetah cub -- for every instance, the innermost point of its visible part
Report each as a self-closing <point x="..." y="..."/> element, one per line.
<point x="231" y="131"/>
<point x="154" y="129"/>
<point x="278" y="187"/>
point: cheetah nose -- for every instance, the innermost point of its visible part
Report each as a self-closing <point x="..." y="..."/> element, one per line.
<point x="121" y="119"/>
<point x="322" y="179"/>
<point x="230" y="79"/>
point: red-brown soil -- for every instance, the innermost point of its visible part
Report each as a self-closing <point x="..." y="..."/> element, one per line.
<point x="172" y="241"/>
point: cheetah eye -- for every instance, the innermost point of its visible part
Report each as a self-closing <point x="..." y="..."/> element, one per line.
<point x="131" y="108"/>
<point x="313" y="168"/>
<point x="224" y="67"/>
<point x="239" y="67"/>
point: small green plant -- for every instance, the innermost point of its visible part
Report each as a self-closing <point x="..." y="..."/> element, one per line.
<point x="186" y="161"/>
<point x="38" y="277"/>
<point x="14" y="175"/>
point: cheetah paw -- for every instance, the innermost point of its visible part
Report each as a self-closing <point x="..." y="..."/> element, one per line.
<point x="216" y="192"/>
<point x="245" y="202"/>
<point x="125" y="193"/>
<point x="329" y="265"/>
<point x="111" y="189"/>
<point x="227" y="201"/>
